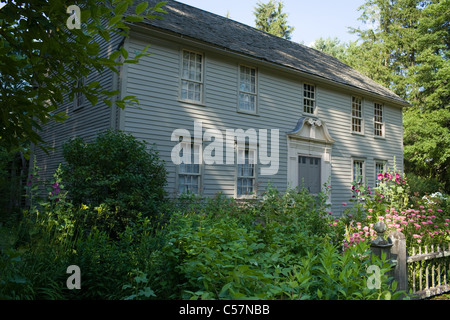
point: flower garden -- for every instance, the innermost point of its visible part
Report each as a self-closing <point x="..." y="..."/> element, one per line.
<point x="423" y="221"/>
<point x="105" y="215"/>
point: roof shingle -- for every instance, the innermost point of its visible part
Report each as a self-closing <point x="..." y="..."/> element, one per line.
<point x="233" y="36"/>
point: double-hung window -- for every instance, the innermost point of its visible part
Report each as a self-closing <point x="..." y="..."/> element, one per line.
<point x="247" y="89"/>
<point x="189" y="174"/>
<point x="309" y="98"/>
<point x="379" y="169"/>
<point x="192" y="76"/>
<point x="378" y="120"/>
<point x="358" y="171"/>
<point x="80" y="98"/>
<point x="357" y="120"/>
<point x="246" y="172"/>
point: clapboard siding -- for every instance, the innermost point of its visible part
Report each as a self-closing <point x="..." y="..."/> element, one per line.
<point x="85" y="122"/>
<point x="155" y="80"/>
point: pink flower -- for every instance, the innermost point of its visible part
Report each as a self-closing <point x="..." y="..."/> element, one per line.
<point x="380" y="176"/>
<point x="344" y="203"/>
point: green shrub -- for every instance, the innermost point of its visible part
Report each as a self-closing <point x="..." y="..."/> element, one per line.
<point x="225" y="257"/>
<point x="116" y="171"/>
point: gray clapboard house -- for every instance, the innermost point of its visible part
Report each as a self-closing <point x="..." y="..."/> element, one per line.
<point x="324" y="122"/>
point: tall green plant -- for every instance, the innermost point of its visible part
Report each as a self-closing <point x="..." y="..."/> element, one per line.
<point x="117" y="172"/>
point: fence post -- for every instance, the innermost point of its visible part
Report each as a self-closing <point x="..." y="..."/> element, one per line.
<point x="399" y="249"/>
<point x="380" y="245"/>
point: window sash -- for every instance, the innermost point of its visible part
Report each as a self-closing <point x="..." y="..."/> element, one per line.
<point x="378" y="120"/>
<point x="192" y="76"/>
<point x="189" y="174"/>
<point x="247" y="88"/>
<point x="309" y="98"/>
<point x="379" y="168"/>
<point x="358" y="170"/>
<point x="80" y="98"/>
<point x="356" y="115"/>
<point x="246" y="172"/>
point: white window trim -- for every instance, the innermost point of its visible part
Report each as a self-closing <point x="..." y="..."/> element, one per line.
<point x="255" y="94"/>
<point x="199" y="174"/>
<point x="255" y="177"/>
<point x="361" y="118"/>
<point x="358" y="159"/>
<point x="383" y="123"/>
<point x="379" y="161"/>
<point x="202" y="82"/>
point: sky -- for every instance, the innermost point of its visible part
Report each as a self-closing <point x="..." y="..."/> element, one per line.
<point x="311" y="19"/>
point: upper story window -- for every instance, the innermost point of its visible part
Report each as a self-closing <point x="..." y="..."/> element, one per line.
<point x="309" y="98"/>
<point x="192" y="76"/>
<point x="357" y="120"/>
<point x="378" y="120"/>
<point x="247" y="89"/>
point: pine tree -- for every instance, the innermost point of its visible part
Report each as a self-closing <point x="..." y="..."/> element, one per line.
<point x="271" y="19"/>
<point x="407" y="48"/>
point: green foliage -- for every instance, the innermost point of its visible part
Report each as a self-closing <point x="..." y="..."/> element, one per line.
<point x="34" y="39"/>
<point x="211" y="257"/>
<point x="407" y="50"/>
<point x="117" y="175"/>
<point x="271" y="19"/>
<point x="332" y="46"/>
<point x="427" y="144"/>
<point x="215" y="248"/>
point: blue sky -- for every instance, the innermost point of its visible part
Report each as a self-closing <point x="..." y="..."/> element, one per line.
<point x="311" y="19"/>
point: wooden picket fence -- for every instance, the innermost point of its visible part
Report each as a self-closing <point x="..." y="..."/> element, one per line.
<point x="425" y="273"/>
<point x="429" y="271"/>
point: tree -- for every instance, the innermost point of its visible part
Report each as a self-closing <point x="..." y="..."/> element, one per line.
<point x="271" y="19"/>
<point x="406" y="48"/>
<point x="332" y="46"/>
<point x="44" y="56"/>
<point x="118" y="171"/>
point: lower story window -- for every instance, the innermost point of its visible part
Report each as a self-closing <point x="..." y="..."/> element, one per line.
<point x="189" y="174"/>
<point x="358" y="171"/>
<point x="379" y="170"/>
<point x="246" y="173"/>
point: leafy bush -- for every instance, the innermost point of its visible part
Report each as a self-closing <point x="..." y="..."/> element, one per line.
<point x="219" y="257"/>
<point x="280" y="248"/>
<point x="116" y="171"/>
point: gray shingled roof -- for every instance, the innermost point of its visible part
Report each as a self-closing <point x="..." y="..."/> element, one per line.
<point x="233" y="36"/>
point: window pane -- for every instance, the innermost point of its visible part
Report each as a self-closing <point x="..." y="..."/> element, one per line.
<point x="308" y="98"/>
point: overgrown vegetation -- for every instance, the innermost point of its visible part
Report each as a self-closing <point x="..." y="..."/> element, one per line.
<point x="282" y="247"/>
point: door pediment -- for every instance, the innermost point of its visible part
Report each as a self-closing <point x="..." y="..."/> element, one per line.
<point x="311" y="129"/>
